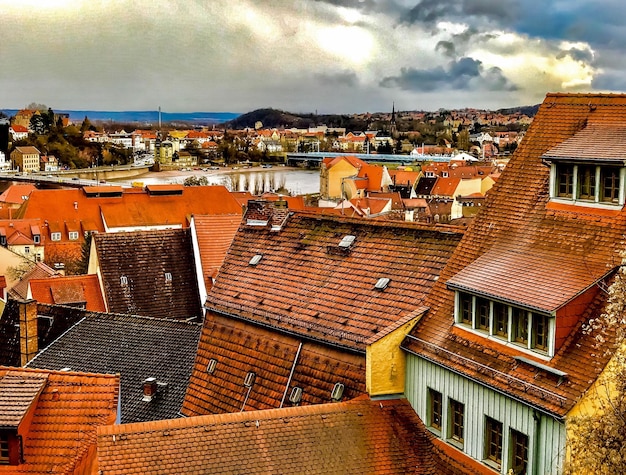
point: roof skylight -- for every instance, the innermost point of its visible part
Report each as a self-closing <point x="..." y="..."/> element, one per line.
<point x="255" y="259"/>
<point x="347" y="241"/>
<point x="382" y="283"/>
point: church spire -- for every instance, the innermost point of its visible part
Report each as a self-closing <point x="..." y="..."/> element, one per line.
<point x="392" y="122"/>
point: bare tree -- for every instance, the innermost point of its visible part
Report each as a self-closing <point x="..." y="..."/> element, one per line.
<point x="597" y="437"/>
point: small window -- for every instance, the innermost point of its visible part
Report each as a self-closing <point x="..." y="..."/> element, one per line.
<point x="565" y="181"/>
<point x="123" y="280"/>
<point x="210" y="367"/>
<point x="493" y="442"/>
<point x="540" y="332"/>
<point x="4" y="449"/>
<point x="248" y="381"/>
<point x="382" y="283"/>
<point x="296" y="395"/>
<point x="347" y="241"/>
<point x="482" y="309"/>
<point x="168" y="277"/>
<point x="73" y="235"/>
<point x="465" y="308"/>
<point x="457" y="421"/>
<point x="435" y="407"/>
<point x="255" y="259"/>
<point x="587" y="182"/>
<point x="519" y="452"/>
<point x="55" y="236"/>
<point x="609" y="183"/>
<point x="501" y="319"/>
<point x="26" y="250"/>
<point x="520" y="326"/>
<point x="36" y="238"/>
<point x="337" y="392"/>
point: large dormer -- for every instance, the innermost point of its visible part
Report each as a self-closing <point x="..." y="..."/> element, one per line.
<point x="589" y="169"/>
<point x="529" y="299"/>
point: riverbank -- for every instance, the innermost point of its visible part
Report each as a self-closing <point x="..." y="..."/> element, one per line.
<point x="297" y="181"/>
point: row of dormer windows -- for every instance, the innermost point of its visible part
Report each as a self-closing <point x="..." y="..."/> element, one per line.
<point x="588" y="183"/>
<point x="527" y="329"/>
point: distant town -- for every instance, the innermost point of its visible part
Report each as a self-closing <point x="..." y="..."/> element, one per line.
<point x="439" y="304"/>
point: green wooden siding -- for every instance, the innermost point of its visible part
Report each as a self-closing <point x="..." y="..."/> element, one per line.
<point x="546" y="434"/>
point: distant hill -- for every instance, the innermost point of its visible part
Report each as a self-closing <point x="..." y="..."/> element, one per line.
<point x="270" y="118"/>
<point x="143" y="117"/>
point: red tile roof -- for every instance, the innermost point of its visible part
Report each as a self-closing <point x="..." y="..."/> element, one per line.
<point x="39" y="271"/>
<point x="61" y="436"/>
<point x="518" y="215"/>
<point x="214" y="235"/>
<point x="280" y="362"/>
<point x="445" y="186"/>
<point x="308" y="284"/>
<point x="382" y="437"/>
<point x="69" y="290"/>
<point x="17" y="194"/>
<point x="595" y="142"/>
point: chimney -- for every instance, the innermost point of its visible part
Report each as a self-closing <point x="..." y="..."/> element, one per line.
<point x="75" y="204"/>
<point x="150" y="389"/>
<point x="29" y="343"/>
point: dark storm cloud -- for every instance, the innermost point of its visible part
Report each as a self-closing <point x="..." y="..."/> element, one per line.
<point x="582" y="55"/>
<point x="447" y="48"/>
<point x="464" y="74"/>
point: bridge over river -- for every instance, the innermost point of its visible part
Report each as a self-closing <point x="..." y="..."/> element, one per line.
<point x="315" y="158"/>
<point x="76" y="178"/>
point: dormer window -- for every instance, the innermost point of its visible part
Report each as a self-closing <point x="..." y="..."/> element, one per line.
<point x="589" y="168"/>
<point x="508" y="323"/>
<point x="55" y="236"/>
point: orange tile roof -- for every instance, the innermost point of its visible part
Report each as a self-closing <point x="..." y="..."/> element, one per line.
<point x="306" y="283"/>
<point x="382" y="437"/>
<point x="66" y="290"/>
<point x="214" y="235"/>
<point x="61" y="436"/>
<point x="445" y="186"/>
<point x="518" y="215"/>
<point x="39" y="271"/>
<point x="280" y="362"/>
<point x="605" y="142"/>
<point x="17" y="194"/>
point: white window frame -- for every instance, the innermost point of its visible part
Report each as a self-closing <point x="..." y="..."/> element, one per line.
<point x="73" y="235"/>
<point x="56" y="236"/>
<point x="596" y="202"/>
<point x="491" y="332"/>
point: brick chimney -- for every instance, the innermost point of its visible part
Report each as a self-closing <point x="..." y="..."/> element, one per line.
<point x="29" y="343"/>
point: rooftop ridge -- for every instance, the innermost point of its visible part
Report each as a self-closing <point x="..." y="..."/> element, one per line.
<point x="297" y="412"/>
<point x="112" y="315"/>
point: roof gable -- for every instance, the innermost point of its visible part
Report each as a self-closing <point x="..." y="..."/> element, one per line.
<point x="149" y="273"/>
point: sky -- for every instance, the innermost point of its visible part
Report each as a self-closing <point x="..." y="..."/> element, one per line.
<point x="306" y="56"/>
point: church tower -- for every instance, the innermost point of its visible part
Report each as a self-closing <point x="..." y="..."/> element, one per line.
<point x="392" y="123"/>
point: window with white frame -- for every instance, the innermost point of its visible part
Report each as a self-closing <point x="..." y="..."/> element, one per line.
<point x="73" y="235"/>
<point x="528" y="329"/>
<point x="588" y="183"/>
<point x="55" y="236"/>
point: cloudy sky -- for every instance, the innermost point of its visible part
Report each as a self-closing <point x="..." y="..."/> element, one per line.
<point x="330" y="56"/>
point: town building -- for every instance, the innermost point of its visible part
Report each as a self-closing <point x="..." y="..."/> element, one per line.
<point x="501" y="361"/>
<point x="25" y="159"/>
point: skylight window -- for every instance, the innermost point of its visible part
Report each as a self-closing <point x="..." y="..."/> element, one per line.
<point x="337" y="392"/>
<point x="382" y="283"/>
<point x="347" y="241"/>
<point x="123" y="280"/>
<point x="255" y="259"/>
<point x="168" y="277"/>
<point x="296" y="395"/>
<point x="210" y="367"/>
<point x="248" y="381"/>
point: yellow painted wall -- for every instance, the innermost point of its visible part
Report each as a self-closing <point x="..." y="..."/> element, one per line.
<point x="336" y="173"/>
<point x="386" y="362"/>
<point x="486" y="184"/>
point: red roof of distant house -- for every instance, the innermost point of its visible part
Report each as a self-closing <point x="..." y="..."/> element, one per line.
<point x="69" y="290"/>
<point x="19" y="128"/>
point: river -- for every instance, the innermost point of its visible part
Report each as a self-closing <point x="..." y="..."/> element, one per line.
<point x="256" y="180"/>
